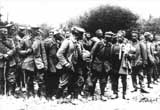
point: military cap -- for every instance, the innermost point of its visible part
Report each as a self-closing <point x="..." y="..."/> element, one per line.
<point x="22" y="27"/>
<point x="109" y="33"/>
<point x="136" y="32"/>
<point x="77" y="29"/>
<point x="9" y="25"/>
<point x="157" y="37"/>
<point x="141" y="37"/>
<point x="146" y="34"/>
<point x="2" y="29"/>
<point x="35" y="27"/>
<point x="98" y="31"/>
<point x="28" y="28"/>
<point x="56" y="32"/>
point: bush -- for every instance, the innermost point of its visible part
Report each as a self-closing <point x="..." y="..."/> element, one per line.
<point x="108" y="18"/>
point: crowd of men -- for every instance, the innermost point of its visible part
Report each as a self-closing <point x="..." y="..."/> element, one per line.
<point x="70" y="64"/>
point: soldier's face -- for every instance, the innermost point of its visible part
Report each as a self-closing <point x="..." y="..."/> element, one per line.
<point x="107" y="38"/>
<point x="35" y="32"/>
<point x="100" y="34"/>
<point x="67" y="34"/>
<point x="151" y="37"/>
<point x="120" y="39"/>
<point x="4" y="33"/>
<point x="13" y="30"/>
<point x="88" y="35"/>
<point x="51" y="33"/>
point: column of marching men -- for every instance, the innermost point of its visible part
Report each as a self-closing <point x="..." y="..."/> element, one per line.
<point x="71" y="63"/>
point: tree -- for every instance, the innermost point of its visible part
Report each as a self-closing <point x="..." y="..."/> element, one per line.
<point x="108" y="18"/>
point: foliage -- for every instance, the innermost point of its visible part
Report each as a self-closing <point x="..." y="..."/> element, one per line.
<point x="108" y="18"/>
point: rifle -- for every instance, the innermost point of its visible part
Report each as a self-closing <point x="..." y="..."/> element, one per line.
<point x="4" y="75"/>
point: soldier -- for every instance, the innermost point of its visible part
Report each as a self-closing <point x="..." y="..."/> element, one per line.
<point x="17" y="40"/>
<point x="137" y="62"/>
<point x="87" y="43"/>
<point x="52" y="77"/>
<point x="67" y="34"/>
<point x="35" y="62"/>
<point x="150" y="58"/>
<point x="98" y="36"/>
<point x="69" y="63"/>
<point x="7" y="64"/>
<point x="155" y="54"/>
<point x="121" y="66"/>
<point x="101" y="63"/>
<point x="22" y="32"/>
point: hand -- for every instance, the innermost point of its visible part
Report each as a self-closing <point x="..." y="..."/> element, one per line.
<point x="145" y="64"/>
<point x="29" y="51"/>
<point x="68" y="65"/>
<point x="5" y="56"/>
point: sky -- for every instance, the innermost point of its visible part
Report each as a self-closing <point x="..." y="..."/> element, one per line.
<point x="54" y="12"/>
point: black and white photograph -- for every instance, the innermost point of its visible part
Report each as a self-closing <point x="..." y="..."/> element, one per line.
<point x="79" y="55"/>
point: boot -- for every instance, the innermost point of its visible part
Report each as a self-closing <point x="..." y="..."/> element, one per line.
<point x="59" y="93"/>
<point x="144" y="91"/>
<point x="135" y="90"/>
<point x="103" y="98"/>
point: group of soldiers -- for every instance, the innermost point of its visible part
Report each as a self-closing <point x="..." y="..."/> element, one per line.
<point x="70" y="64"/>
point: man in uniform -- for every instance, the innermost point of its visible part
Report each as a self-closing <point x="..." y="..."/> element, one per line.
<point x="7" y="63"/>
<point x="69" y="55"/>
<point x="35" y="62"/>
<point x="137" y="61"/>
<point x="17" y="40"/>
<point x="51" y="47"/>
<point x="101" y="63"/>
<point x="98" y="37"/>
<point x="120" y="66"/>
<point x="150" y="58"/>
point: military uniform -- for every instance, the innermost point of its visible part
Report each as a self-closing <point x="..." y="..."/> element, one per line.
<point x="19" y="73"/>
<point x="120" y="68"/>
<point x="7" y="66"/>
<point x="101" y="66"/>
<point x="52" y="77"/>
<point x="34" y="62"/>
<point x="137" y="62"/>
<point x="150" y="63"/>
<point x="65" y="55"/>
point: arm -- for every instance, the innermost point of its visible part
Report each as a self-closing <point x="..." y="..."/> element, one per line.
<point x="11" y="51"/>
<point x="61" y="51"/>
<point x="94" y="50"/>
<point x="143" y="51"/>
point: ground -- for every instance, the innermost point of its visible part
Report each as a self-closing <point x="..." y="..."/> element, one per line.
<point x="137" y="101"/>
